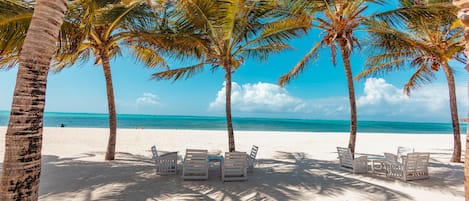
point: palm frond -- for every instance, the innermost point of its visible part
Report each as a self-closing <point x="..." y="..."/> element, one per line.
<point x="407" y="12"/>
<point x="15" y="17"/>
<point x="262" y="52"/>
<point x="230" y="8"/>
<point x="423" y="75"/>
<point x="8" y="61"/>
<point x="300" y="66"/>
<point x="176" y="74"/>
<point x="149" y="56"/>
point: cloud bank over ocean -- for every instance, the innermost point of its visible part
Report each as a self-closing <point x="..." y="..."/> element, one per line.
<point x="380" y="100"/>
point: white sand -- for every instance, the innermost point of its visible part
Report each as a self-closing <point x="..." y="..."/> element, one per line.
<point x="291" y="166"/>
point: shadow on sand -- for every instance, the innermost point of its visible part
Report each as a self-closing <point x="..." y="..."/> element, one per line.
<point x="290" y="176"/>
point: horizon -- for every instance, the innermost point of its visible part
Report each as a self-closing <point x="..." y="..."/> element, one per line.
<point x="461" y="119"/>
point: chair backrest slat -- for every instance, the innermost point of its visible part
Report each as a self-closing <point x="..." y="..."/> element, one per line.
<point x="254" y="150"/>
<point x="345" y="157"/>
<point x="154" y="152"/>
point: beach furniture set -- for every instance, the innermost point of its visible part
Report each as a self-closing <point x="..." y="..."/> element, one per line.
<point x="405" y="165"/>
<point x="234" y="166"/>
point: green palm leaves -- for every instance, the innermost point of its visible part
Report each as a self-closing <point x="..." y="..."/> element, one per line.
<point x="15" y="17"/>
<point x="420" y="42"/>
<point x="227" y="32"/>
<point x="93" y="26"/>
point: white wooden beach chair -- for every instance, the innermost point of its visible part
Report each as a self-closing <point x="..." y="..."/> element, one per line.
<point x="251" y="158"/>
<point x="415" y="166"/>
<point x="400" y="155"/>
<point x="234" y="167"/>
<point x="195" y="164"/>
<point x="166" y="164"/>
<point x="357" y="165"/>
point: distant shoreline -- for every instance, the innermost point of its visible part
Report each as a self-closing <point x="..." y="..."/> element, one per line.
<point x="133" y="121"/>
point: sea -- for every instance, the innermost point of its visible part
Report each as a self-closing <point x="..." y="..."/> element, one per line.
<point x="90" y="120"/>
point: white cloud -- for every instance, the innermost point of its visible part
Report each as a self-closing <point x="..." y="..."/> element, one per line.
<point x="259" y="97"/>
<point x="383" y="100"/>
<point x="379" y="101"/>
<point x="147" y="99"/>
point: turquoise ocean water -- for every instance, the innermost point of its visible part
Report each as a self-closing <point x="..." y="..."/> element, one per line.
<point x="55" y="119"/>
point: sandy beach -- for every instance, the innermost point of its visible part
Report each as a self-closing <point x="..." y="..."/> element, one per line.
<point x="291" y="166"/>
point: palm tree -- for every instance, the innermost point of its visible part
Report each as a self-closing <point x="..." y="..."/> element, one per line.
<point x="224" y="32"/>
<point x="100" y="29"/>
<point x="22" y="162"/>
<point x="423" y="43"/>
<point x="340" y="19"/>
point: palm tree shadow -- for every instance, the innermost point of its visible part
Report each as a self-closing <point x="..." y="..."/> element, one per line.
<point x="290" y="176"/>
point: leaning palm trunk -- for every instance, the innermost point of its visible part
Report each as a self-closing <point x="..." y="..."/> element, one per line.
<point x="454" y="113"/>
<point x="22" y="162"/>
<point x="111" y="146"/>
<point x="229" y="121"/>
<point x="351" y="94"/>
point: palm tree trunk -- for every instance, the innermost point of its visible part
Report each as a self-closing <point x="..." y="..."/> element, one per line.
<point x="229" y="121"/>
<point x="463" y="5"/>
<point x="111" y="145"/>
<point x="454" y="113"/>
<point x="22" y="162"/>
<point x="464" y="17"/>
<point x="351" y="95"/>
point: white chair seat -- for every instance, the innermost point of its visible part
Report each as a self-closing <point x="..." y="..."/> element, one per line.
<point x="195" y="164"/>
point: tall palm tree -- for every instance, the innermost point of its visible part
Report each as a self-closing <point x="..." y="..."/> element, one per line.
<point x="100" y="28"/>
<point x="340" y="19"/>
<point x="463" y="16"/>
<point x="225" y="32"/>
<point x="22" y="162"/>
<point x="423" y="43"/>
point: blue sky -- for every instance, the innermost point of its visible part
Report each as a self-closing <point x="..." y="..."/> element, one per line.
<point x="319" y="93"/>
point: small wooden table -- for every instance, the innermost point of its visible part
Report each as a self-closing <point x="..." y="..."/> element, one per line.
<point x="376" y="159"/>
<point x="213" y="158"/>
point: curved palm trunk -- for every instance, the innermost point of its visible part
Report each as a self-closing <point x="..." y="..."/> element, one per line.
<point x="351" y="95"/>
<point x="229" y="121"/>
<point x="111" y="145"/>
<point x="454" y="113"/>
<point x="464" y="17"/>
<point x="22" y="162"/>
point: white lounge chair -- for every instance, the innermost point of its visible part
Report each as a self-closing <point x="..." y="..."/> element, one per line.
<point x="195" y="164"/>
<point x="415" y="166"/>
<point x="357" y="165"/>
<point x="251" y="159"/>
<point x="166" y="164"/>
<point x="400" y="155"/>
<point x="234" y="167"/>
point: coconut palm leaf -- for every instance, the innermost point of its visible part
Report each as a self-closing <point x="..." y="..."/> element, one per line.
<point x="301" y="65"/>
<point x="176" y="74"/>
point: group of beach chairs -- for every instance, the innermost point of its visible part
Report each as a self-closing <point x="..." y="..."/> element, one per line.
<point x="234" y="165"/>
<point x="405" y="164"/>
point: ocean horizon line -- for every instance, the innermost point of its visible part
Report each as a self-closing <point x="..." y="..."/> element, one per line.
<point x="241" y="117"/>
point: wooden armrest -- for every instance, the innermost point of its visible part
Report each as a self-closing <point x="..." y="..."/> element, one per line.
<point x="361" y="158"/>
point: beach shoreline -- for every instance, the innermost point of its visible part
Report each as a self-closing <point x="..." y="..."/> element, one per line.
<point x="292" y="166"/>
